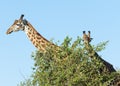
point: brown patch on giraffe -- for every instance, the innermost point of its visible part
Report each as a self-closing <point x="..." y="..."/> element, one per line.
<point x="38" y="37"/>
<point x="43" y="45"/>
<point x="30" y="29"/>
<point x="42" y="41"/>
<point x="38" y="41"/>
<point x="36" y="45"/>
<point x="29" y="33"/>
<point x="33" y="32"/>
<point x="31" y="39"/>
<point x="34" y="42"/>
<point x="32" y="35"/>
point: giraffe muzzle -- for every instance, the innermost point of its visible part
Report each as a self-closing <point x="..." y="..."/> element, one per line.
<point x="9" y="32"/>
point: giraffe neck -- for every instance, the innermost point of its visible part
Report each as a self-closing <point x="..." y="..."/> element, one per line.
<point x="38" y="40"/>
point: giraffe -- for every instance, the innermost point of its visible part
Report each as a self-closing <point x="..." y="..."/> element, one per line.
<point x="37" y="39"/>
<point x="108" y="67"/>
<point x="92" y="53"/>
<point x="41" y="43"/>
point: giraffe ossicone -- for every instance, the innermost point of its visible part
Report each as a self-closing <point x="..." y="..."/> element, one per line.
<point x="37" y="39"/>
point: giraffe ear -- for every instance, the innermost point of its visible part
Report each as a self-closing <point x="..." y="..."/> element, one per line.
<point x="25" y="22"/>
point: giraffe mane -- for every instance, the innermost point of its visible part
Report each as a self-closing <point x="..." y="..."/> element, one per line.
<point x="28" y="23"/>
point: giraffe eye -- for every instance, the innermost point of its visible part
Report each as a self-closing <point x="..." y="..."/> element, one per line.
<point x="19" y="25"/>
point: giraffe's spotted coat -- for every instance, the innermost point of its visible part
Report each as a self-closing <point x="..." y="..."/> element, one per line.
<point x="37" y="39"/>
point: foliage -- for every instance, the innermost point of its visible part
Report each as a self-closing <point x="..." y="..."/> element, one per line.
<point x="100" y="46"/>
<point x="26" y="83"/>
<point x="69" y="66"/>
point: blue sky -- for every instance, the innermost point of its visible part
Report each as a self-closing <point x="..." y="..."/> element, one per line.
<point x="55" y="19"/>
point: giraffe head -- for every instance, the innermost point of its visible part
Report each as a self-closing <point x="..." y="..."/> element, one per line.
<point x="18" y="25"/>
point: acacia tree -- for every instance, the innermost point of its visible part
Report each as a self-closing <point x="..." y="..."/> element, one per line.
<point x="70" y="66"/>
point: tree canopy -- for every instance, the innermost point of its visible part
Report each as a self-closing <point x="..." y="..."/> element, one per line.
<point x="70" y="66"/>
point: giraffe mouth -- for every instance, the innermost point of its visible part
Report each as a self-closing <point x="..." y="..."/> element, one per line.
<point x="9" y="32"/>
